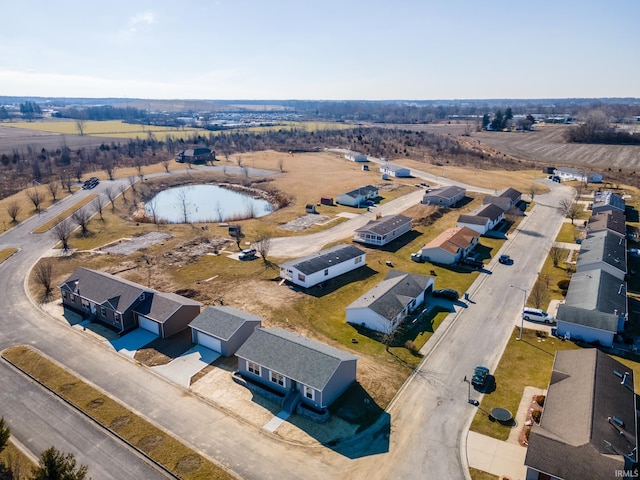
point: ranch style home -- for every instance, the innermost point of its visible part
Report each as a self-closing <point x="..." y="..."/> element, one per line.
<point x="445" y="196"/>
<point x="482" y="219"/>
<point x="383" y="230"/>
<point x="603" y="250"/>
<point x="506" y="199"/>
<point x="588" y="428"/>
<point x="223" y="329"/>
<point x="387" y="305"/>
<point x="356" y="156"/>
<point x="608" y="201"/>
<point x="196" y="155"/>
<point x="296" y="368"/>
<point x="450" y="246"/>
<point x="323" y="265"/>
<point x="570" y="173"/>
<point x="394" y="170"/>
<point x="611" y="220"/>
<point x="357" y="197"/>
<point x="125" y="305"/>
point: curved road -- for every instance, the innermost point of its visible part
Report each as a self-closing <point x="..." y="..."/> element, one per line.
<point x="429" y="416"/>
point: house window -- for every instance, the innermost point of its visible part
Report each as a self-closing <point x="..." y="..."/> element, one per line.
<point x="301" y="277"/>
<point x="118" y="318"/>
<point x="277" y="378"/>
<point x="103" y="312"/>
<point x="72" y="297"/>
<point x="85" y="304"/>
<point x="64" y="294"/>
<point x="309" y="392"/>
<point x="326" y="272"/>
<point x="358" y="259"/>
<point x="253" y="368"/>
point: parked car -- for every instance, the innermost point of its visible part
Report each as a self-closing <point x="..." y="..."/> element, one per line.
<point x="537" y="315"/>
<point x="480" y="375"/>
<point x="417" y="257"/>
<point x="90" y="183"/>
<point x="505" y="259"/>
<point x="448" y="293"/>
<point x="472" y="262"/>
<point x="247" y="254"/>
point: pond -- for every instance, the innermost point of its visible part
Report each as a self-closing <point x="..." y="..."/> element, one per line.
<point x="205" y="203"/>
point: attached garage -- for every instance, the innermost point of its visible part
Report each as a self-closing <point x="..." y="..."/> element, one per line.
<point x="208" y="341"/>
<point x="149" y="325"/>
<point x="223" y="329"/>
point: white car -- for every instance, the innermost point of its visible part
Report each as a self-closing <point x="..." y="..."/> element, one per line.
<point x="537" y="315"/>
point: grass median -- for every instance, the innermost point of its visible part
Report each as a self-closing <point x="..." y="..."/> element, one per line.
<point x="45" y="227"/>
<point x="6" y="253"/>
<point x="138" y="432"/>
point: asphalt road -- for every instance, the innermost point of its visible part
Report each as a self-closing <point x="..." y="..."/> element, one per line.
<point x="429" y="417"/>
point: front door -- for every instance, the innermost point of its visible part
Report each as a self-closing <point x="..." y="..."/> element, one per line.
<point x="294" y="386"/>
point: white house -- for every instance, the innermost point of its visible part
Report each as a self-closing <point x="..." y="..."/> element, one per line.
<point x="482" y="219"/>
<point x="323" y="265"/>
<point x="386" y="305"/>
<point x="394" y="170"/>
<point x="581" y="175"/>
<point x="358" y="196"/>
<point x="450" y="246"/>
<point x="383" y="230"/>
<point x="355" y="156"/>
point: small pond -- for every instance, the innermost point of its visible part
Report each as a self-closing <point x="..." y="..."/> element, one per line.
<point x="205" y="203"/>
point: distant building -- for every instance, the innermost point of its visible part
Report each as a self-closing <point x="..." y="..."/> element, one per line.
<point x="196" y="155"/>
<point x="581" y="175"/>
<point x="394" y="170"/>
<point x="355" y="156"/>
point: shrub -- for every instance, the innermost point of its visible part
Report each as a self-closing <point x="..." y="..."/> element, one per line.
<point x="411" y="346"/>
<point x="564" y="284"/>
<point x="540" y="400"/>
<point x="535" y="415"/>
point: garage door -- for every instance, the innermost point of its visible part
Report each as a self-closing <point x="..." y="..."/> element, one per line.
<point x="149" y="325"/>
<point x="209" y="342"/>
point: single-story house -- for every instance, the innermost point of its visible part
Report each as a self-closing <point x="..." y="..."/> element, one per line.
<point x="548" y="170"/>
<point x="482" y="219"/>
<point x="507" y="198"/>
<point x="314" y="373"/>
<point x="125" y="305"/>
<point x="445" y="196"/>
<point x="385" y="306"/>
<point x="196" y="155"/>
<point x="357" y="197"/>
<point x="394" y="170"/>
<point x="355" y="156"/>
<point x="611" y="220"/>
<point x="588" y="427"/>
<point x="595" y="307"/>
<point x="584" y="176"/>
<point x="606" y="201"/>
<point x="223" y="329"/>
<point x="383" y="230"/>
<point x="450" y="246"/>
<point x="323" y="265"/>
<point x="603" y="250"/>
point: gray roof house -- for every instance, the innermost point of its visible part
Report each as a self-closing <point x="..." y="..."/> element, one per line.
<point x="196" y="155"/>
<point x="355" y="156"/>
<point x="323" y="265"/>
<point x="298" y="368"/>
<point x="581" y="175"/>
<point x="223" y="329"/>
<point x="611" y="220"/>
<point x="446" y="196"/>
<point x="394" y="170"/>
<point x="383" y="230"/>
<point x="482" y="219"/>
<point x="124" y="305"/>
<point x="595" y="307"/>
<point x="507" y="198"/>
<point x="603" y="250"/>
<point x="358" y="196"/>
<point x="588" y="428"/>
<point x="607" y="200"/>
<point x="387" y="305"/>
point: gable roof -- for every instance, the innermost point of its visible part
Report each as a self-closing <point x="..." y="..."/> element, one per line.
<point x="608" y="198"/>
<point x="449" y="192"/>
<point x="392" y="167"/>
<point x="385" y="225"/>
<point x="510" y="193"/>
<point x="603" y="246"/>
<point x="324" y="259"/>
<point x="222" y="322"/>
<point x="294" y="356"/>
<point x="453" y="239"/>
<point x="482" y="215"/>
<point x="607" y="322"/>
<point x="160" y="306"/>
<point x="597" y="290"/>
<point x="613" y="220"/>
<point x="390" y="297"/>
<point x="576" y="438"/>
<point x="362" y="191"/>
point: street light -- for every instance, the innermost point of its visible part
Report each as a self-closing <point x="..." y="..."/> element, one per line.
<point x="524" y="304"/>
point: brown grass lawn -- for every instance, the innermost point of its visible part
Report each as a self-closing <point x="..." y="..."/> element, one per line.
<point x="13" y="458"/>
<point x="568" y="233"/>
<point x="480" y="475"/>
<point x="155" y="442"/>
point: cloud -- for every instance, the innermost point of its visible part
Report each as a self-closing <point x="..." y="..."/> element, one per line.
<point x="141" y="19"/>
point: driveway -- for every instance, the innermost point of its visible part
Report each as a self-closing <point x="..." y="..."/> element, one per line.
<point x="181" y="369"/>
<point x="130" y="343"/>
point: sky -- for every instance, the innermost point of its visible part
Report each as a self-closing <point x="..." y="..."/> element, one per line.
<point x="320" y="49"/>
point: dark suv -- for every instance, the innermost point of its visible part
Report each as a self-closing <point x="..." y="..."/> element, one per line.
<point x="480" y="375"/>
<point x="448" y="293"/>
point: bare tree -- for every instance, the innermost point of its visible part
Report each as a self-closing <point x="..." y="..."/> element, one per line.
<point x="281" y="165"/>
<point x="533" y="191"/>
<point x="556" y="253"/>
<point x="569" y="208"/>
<point x="132" y="183"/>
<point x="220" y="211"/>
<point x="123" y="189"/>
<point x="54" y="188"/>
<point x="80" y="126"/>
<point x="111" y="195"/>
<point x="36" y="198"/>
<point x="13" y="209"/>
<point x="165" y="164"/>
<point x="81" y="217"/>
<point x="109" y="166"/>
<point x="62" y="232"/>
<point x="152" y="205"/>
<point x="538" y="295"/>
<point x="263" y="247"/>
<point x="98" y="205"/>
<point x="43" y="275"/>
<point x="65" y="180"/>
<point x="183" y="199"/>
<point x="239" y="161"/>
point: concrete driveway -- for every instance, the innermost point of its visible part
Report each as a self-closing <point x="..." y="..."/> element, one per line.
<point x="187" y="365"/>
<point x="128" y="344"/>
